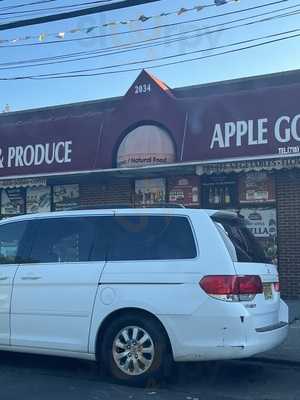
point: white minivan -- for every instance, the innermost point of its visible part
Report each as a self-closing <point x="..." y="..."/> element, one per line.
<point x="132" y="288"/>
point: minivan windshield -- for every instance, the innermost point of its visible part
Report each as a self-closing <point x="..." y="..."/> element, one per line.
<point x="246" y="246"/>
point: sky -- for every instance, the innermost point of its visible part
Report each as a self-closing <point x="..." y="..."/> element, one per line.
<point x="27" y="94"/>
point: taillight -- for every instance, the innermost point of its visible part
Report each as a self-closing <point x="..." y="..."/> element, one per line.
<point x="277" y="287"/>
<point x="250" y="284"/>
<point x="232" y="287"/>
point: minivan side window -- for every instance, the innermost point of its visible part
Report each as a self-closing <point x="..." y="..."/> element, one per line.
<point x="102" y="237"/>
<point x="11" y="235"/>
<point x="62" y="240"/>
<point x="151" y="238"/>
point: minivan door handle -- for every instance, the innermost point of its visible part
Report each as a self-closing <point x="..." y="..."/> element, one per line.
<point x="3" y="278"/>
<point x="30" y="278"/>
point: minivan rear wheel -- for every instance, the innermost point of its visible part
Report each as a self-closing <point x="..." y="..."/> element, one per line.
<point x="133" y="350"/>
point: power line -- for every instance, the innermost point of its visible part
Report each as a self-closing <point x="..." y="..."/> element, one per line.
<point x="141" y="18"/>
<point x="140" y="45"/>
<point x="168" y="57"/>
<point x="154" y="27"/>
<point x="39" y="10"/>
<point x="166" y="64"/>
<point x="79" y="74"/>
<point x="26" y="4"/>
<point x="72" y="14"/>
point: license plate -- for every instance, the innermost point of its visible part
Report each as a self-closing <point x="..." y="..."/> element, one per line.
<point x="268" y="292"/>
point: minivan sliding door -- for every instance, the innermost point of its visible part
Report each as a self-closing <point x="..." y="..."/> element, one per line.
<point x="54" y="292"/>
<point x="11" y="235"/>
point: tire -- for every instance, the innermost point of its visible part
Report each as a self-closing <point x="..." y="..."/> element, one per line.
<point x="133" y="350"/>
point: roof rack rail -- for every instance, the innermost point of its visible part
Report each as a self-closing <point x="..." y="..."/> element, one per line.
<point x="160" y="205"/>
<point x="122" y="205"/>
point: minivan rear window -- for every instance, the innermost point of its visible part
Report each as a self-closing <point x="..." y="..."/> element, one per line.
<point x="246" y="246"/>
<point x="151" y="238"/>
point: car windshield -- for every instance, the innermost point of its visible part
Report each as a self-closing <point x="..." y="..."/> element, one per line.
<point x="246" y="246"/>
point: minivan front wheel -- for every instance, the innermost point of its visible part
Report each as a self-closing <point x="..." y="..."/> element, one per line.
<point x="134" y="349"/>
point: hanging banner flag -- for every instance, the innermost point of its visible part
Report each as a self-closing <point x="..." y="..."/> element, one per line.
<point x="142" y="18"/>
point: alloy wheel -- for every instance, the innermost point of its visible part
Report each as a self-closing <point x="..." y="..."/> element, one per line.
<point x="133" y="350"/>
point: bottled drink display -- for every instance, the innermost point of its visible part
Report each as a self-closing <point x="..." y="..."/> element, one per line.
<point x="211" y="196"/>
<point x="227" y="196"/>
<point x="219" y="196"/>
<point x="216" y="196"/>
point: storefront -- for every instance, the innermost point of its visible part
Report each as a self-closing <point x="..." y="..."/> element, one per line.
<point x="230" y="145"/>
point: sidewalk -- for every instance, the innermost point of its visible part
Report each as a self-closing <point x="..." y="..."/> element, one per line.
<point x="290" y="349"/>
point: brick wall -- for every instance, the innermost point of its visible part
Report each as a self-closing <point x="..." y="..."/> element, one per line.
<point x="288" y="222"/>
<point x="112" y="192"/>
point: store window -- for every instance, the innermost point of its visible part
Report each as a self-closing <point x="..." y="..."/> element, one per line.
<point x="257" y="206"/>
<point x="65" y="197"/>
<point x="262" y="222"/>
<point x="150" y="191"/>
<point x="24" y="195"/>
<point x="219" y="192"/>
<point x="38" y="199"/>
<point x="184" y="190"/>
<point x="13" y="201"/>
<point x="256" y="188"/>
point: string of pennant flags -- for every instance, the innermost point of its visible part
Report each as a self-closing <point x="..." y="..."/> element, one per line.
<point x="142" y="19"/>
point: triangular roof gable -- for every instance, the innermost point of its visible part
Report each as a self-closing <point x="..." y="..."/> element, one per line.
<point x="160" y="83"/>
<point x="146" y="85"/>
<point x="148" y="101"/>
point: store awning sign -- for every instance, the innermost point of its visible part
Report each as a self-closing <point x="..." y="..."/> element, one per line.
<point x="248" y="165"/>
<point x="35" y="155"/>
<point x="151" y="127"/>
<point x="23" y="182"/>
<point x="258" y="132"/>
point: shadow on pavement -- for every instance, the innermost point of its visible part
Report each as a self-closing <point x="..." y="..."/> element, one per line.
<point x="34" y="377"/>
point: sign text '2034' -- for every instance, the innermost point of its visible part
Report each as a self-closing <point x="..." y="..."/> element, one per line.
<point x="143" y="88"/>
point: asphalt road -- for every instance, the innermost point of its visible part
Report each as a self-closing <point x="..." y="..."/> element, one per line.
<point x="28" y="377"/>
